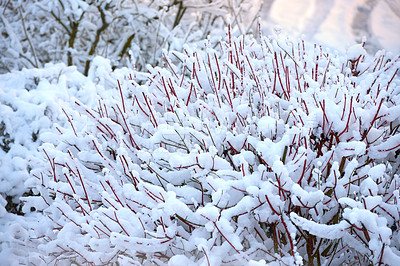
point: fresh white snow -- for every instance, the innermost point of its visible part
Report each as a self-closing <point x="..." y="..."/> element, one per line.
<point x="220" y="156"/>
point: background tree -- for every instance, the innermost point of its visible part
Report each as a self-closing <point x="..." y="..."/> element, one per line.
<point x="34" y="33"/>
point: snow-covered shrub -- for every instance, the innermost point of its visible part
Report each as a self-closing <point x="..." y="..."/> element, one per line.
<point x="26" y="108"/>
<point x="31" y="100"/>
<point x="256" y="151"/>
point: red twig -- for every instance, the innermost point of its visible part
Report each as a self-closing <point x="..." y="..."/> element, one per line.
<point x="122" y="96"/>
<point x="227" y="240"/>
<point x="70" y="122"/>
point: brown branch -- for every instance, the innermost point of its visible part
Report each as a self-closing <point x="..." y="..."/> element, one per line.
<point x="97" y="38"/>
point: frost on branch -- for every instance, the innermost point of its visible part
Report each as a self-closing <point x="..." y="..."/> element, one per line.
<point x="254" y="151"/>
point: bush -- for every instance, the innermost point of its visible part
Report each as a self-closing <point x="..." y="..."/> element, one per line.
<point x="29" y="105"/>
<point x="256" y="151"/>
<point x="31" y="102"/>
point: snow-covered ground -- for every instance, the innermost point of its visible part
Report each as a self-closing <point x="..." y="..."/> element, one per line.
<point x="338" y="23"/>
